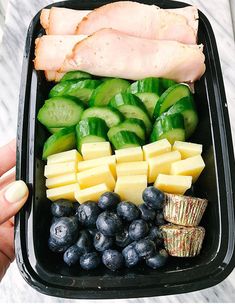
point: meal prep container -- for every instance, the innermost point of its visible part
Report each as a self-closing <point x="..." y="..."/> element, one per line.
<point x="46" y="272"/>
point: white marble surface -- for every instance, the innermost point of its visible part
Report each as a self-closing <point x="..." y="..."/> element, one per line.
<point x="13" y="289"/>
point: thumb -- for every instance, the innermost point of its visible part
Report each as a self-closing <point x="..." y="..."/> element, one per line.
<point x="12" y="198"/>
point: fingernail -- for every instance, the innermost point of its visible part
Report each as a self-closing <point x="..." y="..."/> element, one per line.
<point x="16" y="192"/>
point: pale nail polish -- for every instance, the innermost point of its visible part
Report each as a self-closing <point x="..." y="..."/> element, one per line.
<point x="16" y="192"/>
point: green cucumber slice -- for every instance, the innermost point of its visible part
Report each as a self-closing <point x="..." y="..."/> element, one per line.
<point x="150" y="100"/>
<point x="170" y="127"/>
<point x="166" y="84"/>
<point x="169" y="97"/>
<point x="109" y="88"/>
<point x="78" y="88"/>
<point x="132" y="107"/>
<point x="131" y="124"/>
<point x="111" y="116"/>
<point x="150" y="84"/>
<point x="54" y="130"/>
<point x="60" y="112"/>
<point x="125" y="139"/>
<point x="187" y="108"/>
<point x="75" y="75"/>
<point x="91" y="130"/>
<point x="61" y="141"/>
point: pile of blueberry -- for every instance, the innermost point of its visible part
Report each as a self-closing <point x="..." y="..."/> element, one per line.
<point x="113" y="232"/>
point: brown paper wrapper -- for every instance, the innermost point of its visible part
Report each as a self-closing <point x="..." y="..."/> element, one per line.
<point x="184" y="210"/>
<point x="182" y="241"/>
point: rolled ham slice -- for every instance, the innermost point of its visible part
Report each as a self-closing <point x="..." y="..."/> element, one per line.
<point x="114" y="54"/>
<point x="53" y="76"/>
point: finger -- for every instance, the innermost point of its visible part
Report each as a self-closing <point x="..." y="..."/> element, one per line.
<point x="4" y="264"/>
<point x="7" y="179"/>
<point x="7" y="157"/>
<point x="7" y="242"/>
<point x="12" y="198"/>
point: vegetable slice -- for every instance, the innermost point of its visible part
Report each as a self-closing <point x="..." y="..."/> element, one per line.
<point x="125" y="139"/>
<point x="75" y="75"/>
<point x="150" y="100"/>
<point x="150" y="84"/>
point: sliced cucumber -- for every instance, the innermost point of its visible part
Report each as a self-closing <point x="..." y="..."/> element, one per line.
<point x="110" y="115"/>
<point x="187" y="108"/>
<point x="150" y="100"/>
<point x="132" y="107"/>
<point x="78" y="88"/>
<point x="61" y="141"/>
<point x="91" y="130"/>
<point x="166" y="83"/>
<point x="109" y="88"/>
<point x="75" y="75"/>
<point x="150" y="84"/>
<point x="54" y="130"/>
<point x="131" y="124"/>
<point x="170" y="127"/>
<point x="125" y="139"/>
<point x="60" y="112"/>
<point x="169" y="97"/>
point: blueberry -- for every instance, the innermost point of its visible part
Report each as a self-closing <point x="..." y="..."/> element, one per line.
<point x="90" y="260"/>
<point x="64" y="230"/>
<point x="153" y="198"/>
<point x="112" y="259"/>
<point x="145" y="248"/>
<point x="62" y="207"/>
<point x="123" y="239"/>
<point x="92" y="231"/>
<point x="146" y="213"/>
<point x="53" y="246"/>
<point x="130" y="255"/>
<point x="102" y="242"/>
<point x="128" y="211"/>
<point x="109" y="223"/>
<point x="75" y="206"/>
<point x="159" y="220"/>
<point x="84" y="241"/>
<point x="138" y="229"/>
<point x="155" y="235"/>
<point x="87" y="213"/>
<point x="108" y="200"/>
<point x="158" y="260"/>
<point x="72" y="255"/>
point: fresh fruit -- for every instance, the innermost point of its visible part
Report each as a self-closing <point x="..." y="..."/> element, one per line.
<point x="146" y="213"/>
<point x="62" y="207"/>
<point x="149" y="84"/>
<point x="61" y="180"/>
<point x="176" y="184"/>
<point x="187" y="149"/>
<point x="159" y="220"/>
<point x="128" y="211"/>
<point x="90" y="260"/>
<point x="158" y="260"/>
<point x="54" y="170"/>
<point x="153" y="198"/>
<point x="75" y="75"/>
<point x="155" y="235"/>
<point x="87" y="213"/>
<point x="64" y="192"/>
<point x="102" y="242"/>
<point x="130" y="255"/>
<point x="156" y="148"/>
<point x="123" y="239"/>
<point x="129" y="155"/>
<point x="109" y="200"/>
<point x="109" y="223"/>
<point x="54" y="247"/>
<point x="132" y="168"/>
<point x="125" y="139"/>
<point x="64" y="157"/>
<point x="92" y="193"/>
<point x="96" y="150"/>
<point x="145" y="248"/>
<point x="92" y="231"/>
<point x="149" y="100"/>
<point x="84" y="242"/>
<point x="138" y="229"/>
<point x="112" y="259"/>
<point x="72" y="255"/>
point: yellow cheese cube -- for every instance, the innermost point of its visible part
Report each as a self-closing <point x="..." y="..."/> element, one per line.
<point x="156" y="148"/>
<point x="187" y="149"/>
<point x="132" y="168"/>
<point x="53" y="170"/>
<point x="161" y="164"/>
<point x="95" y="176"/>
<point x="61" y="180"/>
<point x="68" y="156"/>
<point x="130" y="188"/>
<point x="65" y="192"/>
<point x="96" y="150"/>
<point x="91" y="193"/>
<point x="176" y="184"/>
<point x="190" y="166"/>
<point x="92" y="163"/>
<point x="129" y="155"/>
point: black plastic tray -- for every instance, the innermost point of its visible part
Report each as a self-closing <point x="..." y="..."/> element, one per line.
<point x="46" y="272"/>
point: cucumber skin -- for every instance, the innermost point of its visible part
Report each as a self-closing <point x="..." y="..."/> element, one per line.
<point x="127" y="99"/>
<point x="78" y="75"/>
<point x="146" y="85"/>
<point x="67" y="134"/>
<point x="125" y="139"/>
<point x="166" y="84"/>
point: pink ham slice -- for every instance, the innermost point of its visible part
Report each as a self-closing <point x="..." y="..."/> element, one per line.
<point x="53" y="76"/>
<point x="114" y="54"/>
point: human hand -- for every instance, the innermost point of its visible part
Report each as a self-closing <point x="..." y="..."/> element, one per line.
<point x="13" y="195"/>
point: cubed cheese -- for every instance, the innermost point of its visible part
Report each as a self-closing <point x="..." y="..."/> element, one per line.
<point x="190" y="166"/>
<point x="53" y="170"/>
<point x="96" y="150"/>
<point x="91" y="193"/>
<point x="129" y="154"/>
<point x="92" y="163"/>
<point x="95" y="176"/>
<point x="61" y="180"/>
<point x="132" y="168"/>
<point x="130" y="188"/>
<point x="161" y="164"/>
<point x="187" y="149"/>
<point x="68" y="156"/>
<point x="65" y="192"/>
<point x="173" y="183"/>
<point x="156" y="148"/>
